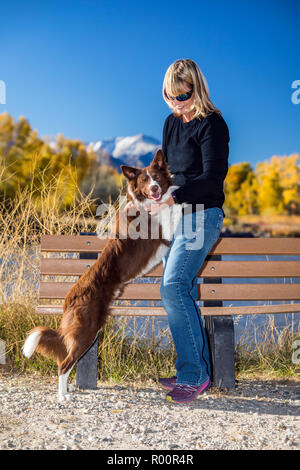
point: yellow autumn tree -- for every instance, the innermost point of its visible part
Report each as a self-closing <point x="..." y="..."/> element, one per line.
<point x="248" y="195"/>
<point x="240" y="190"/>
<point x="278" y="182"/>
<point x="273" y="188"/>
<point x="18" y="143"/>
<point x="290" y="183"/>
<point x="28" y="161"/>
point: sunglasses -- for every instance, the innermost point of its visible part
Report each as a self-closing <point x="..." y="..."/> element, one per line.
<point x="182" y="97"/>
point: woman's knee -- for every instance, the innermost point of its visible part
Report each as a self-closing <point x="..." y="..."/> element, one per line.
<point x="171" y="291"/>
<point x="167" y="291"/>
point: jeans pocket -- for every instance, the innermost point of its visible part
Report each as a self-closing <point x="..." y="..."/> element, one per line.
<point x="220" y="221"/>
<point x="216" y="227"/>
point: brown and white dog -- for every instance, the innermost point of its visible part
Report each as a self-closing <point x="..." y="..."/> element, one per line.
<point x="86" y="305"/>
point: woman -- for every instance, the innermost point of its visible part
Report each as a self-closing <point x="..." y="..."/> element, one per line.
<point x="195" y="144"/>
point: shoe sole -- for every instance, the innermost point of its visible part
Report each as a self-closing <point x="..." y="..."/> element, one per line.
<point x="170" y="399"/>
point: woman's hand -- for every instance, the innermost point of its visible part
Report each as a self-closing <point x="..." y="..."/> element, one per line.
<point x="157" y="207"/>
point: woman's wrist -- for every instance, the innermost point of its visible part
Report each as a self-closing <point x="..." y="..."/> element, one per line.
<point x="170" y="201"/>
<point x="174" y="198"/>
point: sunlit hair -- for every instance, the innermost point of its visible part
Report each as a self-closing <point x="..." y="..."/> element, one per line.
<point x="186" y="72"/>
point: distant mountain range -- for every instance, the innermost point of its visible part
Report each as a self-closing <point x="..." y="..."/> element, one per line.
<point x="137" y="150"/>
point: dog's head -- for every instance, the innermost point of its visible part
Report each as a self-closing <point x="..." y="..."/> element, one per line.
<point x="149" y="184"/>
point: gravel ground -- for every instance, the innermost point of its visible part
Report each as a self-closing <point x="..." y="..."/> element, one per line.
<point x="258" y="414"/>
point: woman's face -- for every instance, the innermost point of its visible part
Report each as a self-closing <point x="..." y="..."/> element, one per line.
<point x="183" y="107"/>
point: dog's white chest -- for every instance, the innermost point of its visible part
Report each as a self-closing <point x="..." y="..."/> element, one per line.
<point x="168" y="219"/>
<point x="156" y="259"/>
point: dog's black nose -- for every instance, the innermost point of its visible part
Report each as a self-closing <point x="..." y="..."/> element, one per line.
<point x="154" y="188"/>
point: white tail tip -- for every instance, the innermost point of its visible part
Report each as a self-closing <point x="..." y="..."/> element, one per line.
<point x="31" y="343"/>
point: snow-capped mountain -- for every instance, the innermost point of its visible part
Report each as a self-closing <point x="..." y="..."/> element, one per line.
<point x="137" y="150"/>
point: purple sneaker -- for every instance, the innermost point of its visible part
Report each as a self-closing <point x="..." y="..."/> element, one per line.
<point x="182" y="393"/>
<point x="168" y="383"/>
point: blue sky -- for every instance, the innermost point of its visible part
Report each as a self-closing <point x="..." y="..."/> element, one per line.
<point x="94" y="69"/>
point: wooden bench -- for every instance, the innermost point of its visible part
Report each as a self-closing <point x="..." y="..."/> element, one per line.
<point x="213" y="292"/>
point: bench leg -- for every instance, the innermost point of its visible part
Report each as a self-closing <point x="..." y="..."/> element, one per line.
<point x="220" y="332"/>
<point x="86" y="372"/>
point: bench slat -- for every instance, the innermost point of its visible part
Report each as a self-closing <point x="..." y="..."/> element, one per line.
<point x="58" y="290"/>
<point x="205" y="311"/>
<point x="259" y="269"/>
<point x="224" y="246"/>
<point x="75" y="267"/>
<point x="257" y="246"/>
<point x="72" y="243"/>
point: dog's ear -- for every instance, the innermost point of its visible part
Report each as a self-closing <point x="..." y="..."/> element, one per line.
<point x="159" y="160"/>
<point x="130" y="172"/>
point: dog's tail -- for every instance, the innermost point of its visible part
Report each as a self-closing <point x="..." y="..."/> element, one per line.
<point x="45" y="341"/>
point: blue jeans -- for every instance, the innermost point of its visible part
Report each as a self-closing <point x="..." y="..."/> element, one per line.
<point x="195" y="235"/>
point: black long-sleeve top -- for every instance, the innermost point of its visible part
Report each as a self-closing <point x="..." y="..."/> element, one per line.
<point x="197" y="155"/>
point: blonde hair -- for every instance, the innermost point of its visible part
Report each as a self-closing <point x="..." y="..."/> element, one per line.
<point x="186" y="71"/>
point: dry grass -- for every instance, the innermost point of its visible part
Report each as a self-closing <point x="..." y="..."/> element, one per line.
<point x="269" y="350"/>
<point x="276" y="225"/>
